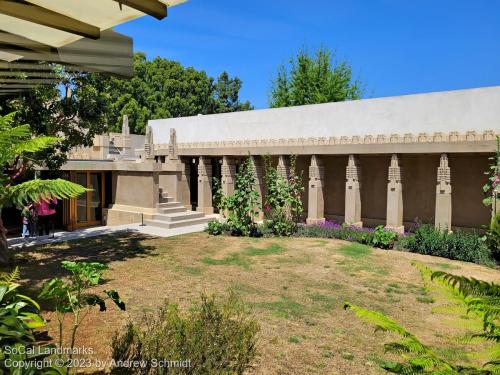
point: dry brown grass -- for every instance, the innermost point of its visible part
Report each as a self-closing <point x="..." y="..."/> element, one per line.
<point x="294" y="287"/>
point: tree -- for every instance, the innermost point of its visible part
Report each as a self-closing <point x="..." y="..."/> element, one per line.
<point x="163" y="89"/>
<point x="73" y="110"/>
<point x="17" y="148"/>
<point x="82" y="105"/>
<point x="312" y="79"/>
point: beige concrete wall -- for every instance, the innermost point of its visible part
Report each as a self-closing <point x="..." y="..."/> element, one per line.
<point x="335" y="185"/>
<point x="138" y="189"/>
<point x="467" y="180"/>
<point x="419" y="187"/>
<point x="374" y="171"/>
<point x="169" y="183"/>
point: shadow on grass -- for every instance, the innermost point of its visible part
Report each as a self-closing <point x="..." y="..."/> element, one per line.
<point x="41" y="263"/>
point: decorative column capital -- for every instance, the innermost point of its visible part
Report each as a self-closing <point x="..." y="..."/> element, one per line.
<point x="353" y="170"/>
<point x="228" y="168"/>
<point x="283" y="166"/>
<point x="316" y="169"/>
<point x="204" y="168"/>
<point x="395" y="171"/>
<point x="444" y="174"/>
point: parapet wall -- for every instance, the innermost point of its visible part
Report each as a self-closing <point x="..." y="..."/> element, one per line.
<point x="442" y="114"/>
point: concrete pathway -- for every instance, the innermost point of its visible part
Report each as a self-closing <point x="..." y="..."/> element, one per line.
<point x="102" y="230"/>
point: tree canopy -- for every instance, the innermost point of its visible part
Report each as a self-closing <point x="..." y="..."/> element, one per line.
<point x="160" y="88"/>
<point x="314" y="78"/>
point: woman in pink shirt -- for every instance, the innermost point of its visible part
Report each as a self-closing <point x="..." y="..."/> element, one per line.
<point x="45" y="209"/>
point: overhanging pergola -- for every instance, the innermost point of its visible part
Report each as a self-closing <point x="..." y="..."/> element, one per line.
<point x="74" y="33"/>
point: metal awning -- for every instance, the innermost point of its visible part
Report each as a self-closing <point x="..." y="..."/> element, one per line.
<point x="74" y="33"/>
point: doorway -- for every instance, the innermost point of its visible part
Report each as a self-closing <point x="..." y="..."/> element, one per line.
<point x="86" y="209"/>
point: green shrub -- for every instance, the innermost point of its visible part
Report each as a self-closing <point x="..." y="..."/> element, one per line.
<point x="384" y="238"/>
<point x="214" y="337"/>
<point x="283" y="205"/>
<point x="492" y="236"/>
<point x="215" y="227"/>
<point x="19" y="318"/>
<point x="242" y="207"/>
<point x="458" y="245"/>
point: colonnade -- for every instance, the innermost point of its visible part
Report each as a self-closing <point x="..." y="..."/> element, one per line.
<point x="316" y="188"/>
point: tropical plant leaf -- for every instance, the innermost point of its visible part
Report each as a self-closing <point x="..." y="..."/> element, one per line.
<point x="36" y="190"/>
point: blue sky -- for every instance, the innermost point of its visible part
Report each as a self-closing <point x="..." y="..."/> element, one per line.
<point x="396" y="47"/>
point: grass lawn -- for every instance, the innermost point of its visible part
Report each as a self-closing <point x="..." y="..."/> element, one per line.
<point x="294" y="287"/>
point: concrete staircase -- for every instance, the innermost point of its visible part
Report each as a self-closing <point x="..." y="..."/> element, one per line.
<point x="172" y="214"/>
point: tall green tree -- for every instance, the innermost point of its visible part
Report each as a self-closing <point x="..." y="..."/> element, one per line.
<point x="73" y="110"/>
<point x="82" y="105"/>
<point x="17" y="150"/>
<point x="314" y="78"/>
<point x="162" y="88"/>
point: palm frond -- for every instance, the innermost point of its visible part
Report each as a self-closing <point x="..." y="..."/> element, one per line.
<point x="36" y="190"/>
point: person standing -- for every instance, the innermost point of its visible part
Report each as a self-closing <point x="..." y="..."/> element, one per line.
<point x="46" y="208"/>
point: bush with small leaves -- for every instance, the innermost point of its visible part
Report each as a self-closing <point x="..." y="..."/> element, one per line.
<point x="215" y="227"/>
<point x="458" y="245"/>
<point x="213" y="337"/>
<point x="384" y="238"/>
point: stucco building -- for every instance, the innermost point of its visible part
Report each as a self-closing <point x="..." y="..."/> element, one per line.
<point x="386" y="161"/>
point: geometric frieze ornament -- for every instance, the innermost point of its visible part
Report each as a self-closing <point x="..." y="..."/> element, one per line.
<point x="420" y="138"/>
<point x="443" y="195"/>
<point x="353" y="192"/>
<point x="394" y="214"/>
<point x="205" y="186"/>
<point x="316" y="203"/>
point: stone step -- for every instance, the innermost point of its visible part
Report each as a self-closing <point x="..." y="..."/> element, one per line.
<point x="176" y="224"/>
<point x="166" y="199"/>
<point x="171" y="210"/>
<point x="169" y="205"/>
<point x="179" y="216"/>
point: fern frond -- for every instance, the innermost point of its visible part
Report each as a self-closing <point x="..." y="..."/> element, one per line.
<point x="379" y="320"/>
<point x="35" y="144"/>
<point x="11" y="277"/>
<point x="36" y="190"/>
<point x="468" y="286"/>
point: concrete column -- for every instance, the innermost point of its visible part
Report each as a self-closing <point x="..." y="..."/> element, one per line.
<point x="258" y="170"/>
<point x="284" y="166"/>
<point x="316" y="202"/>
<point x="184" y="184"/>
<point x="443" y="195"/>
<point x="228" y="174"/>
<point x="395" y="196"/>
<point x="353" y="192"/>
<point x="205" y="186"/>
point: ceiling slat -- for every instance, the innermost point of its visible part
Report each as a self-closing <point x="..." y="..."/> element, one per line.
<point x="152" y="7"/>
<point x="45" y="17"/>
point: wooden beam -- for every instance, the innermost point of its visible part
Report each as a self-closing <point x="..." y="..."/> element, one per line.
<point x="41" y="74"/>
<point x="152" y="7"/>
<point x="45" y="17"/>
<point x="5" y="82"/>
